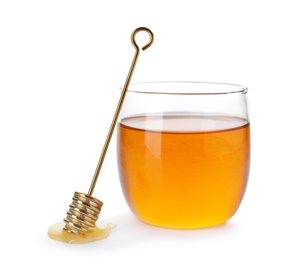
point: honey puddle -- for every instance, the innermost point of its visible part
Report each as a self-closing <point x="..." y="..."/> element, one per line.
<point x="57" y="232"/>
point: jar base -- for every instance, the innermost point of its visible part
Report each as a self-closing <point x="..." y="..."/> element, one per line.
<point x="184" y="226"/>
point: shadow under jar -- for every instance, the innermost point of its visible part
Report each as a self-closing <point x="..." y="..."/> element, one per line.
<point x="183" y="152"/>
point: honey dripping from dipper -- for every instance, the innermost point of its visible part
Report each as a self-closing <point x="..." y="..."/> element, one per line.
<point x="80" y="225"/>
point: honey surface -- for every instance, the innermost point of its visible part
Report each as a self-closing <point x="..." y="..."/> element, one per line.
<point x="57" y="232"/>
<point x="183" y="171"/>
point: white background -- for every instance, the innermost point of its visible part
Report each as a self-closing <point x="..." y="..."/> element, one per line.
<point x="61" y="66"/>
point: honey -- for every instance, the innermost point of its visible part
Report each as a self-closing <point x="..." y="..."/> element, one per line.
<point x="183" y="171"/>
<point x="57" y="232"/>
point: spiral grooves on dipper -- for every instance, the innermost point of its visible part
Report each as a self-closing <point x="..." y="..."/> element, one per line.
<point x="83" y="213"/>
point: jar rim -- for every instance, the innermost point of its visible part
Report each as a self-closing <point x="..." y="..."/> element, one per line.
<point x="186" y="88"/>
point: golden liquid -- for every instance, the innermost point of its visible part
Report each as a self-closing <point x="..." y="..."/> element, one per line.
<point x="183" y="171"/>
<point x="57" y="232"/>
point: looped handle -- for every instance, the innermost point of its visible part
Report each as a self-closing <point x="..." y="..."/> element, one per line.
<point x="151" y="38"/>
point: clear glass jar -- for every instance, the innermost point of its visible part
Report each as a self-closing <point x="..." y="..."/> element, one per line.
<point x="183" y="152"/>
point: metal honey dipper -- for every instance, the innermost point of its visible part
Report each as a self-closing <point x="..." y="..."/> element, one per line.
<point x="84" y="209"/>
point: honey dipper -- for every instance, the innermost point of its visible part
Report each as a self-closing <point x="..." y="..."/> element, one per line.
<point x="84" y="209"/>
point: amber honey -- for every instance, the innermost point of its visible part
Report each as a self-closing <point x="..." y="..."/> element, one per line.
<point x="183" y="171"/>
